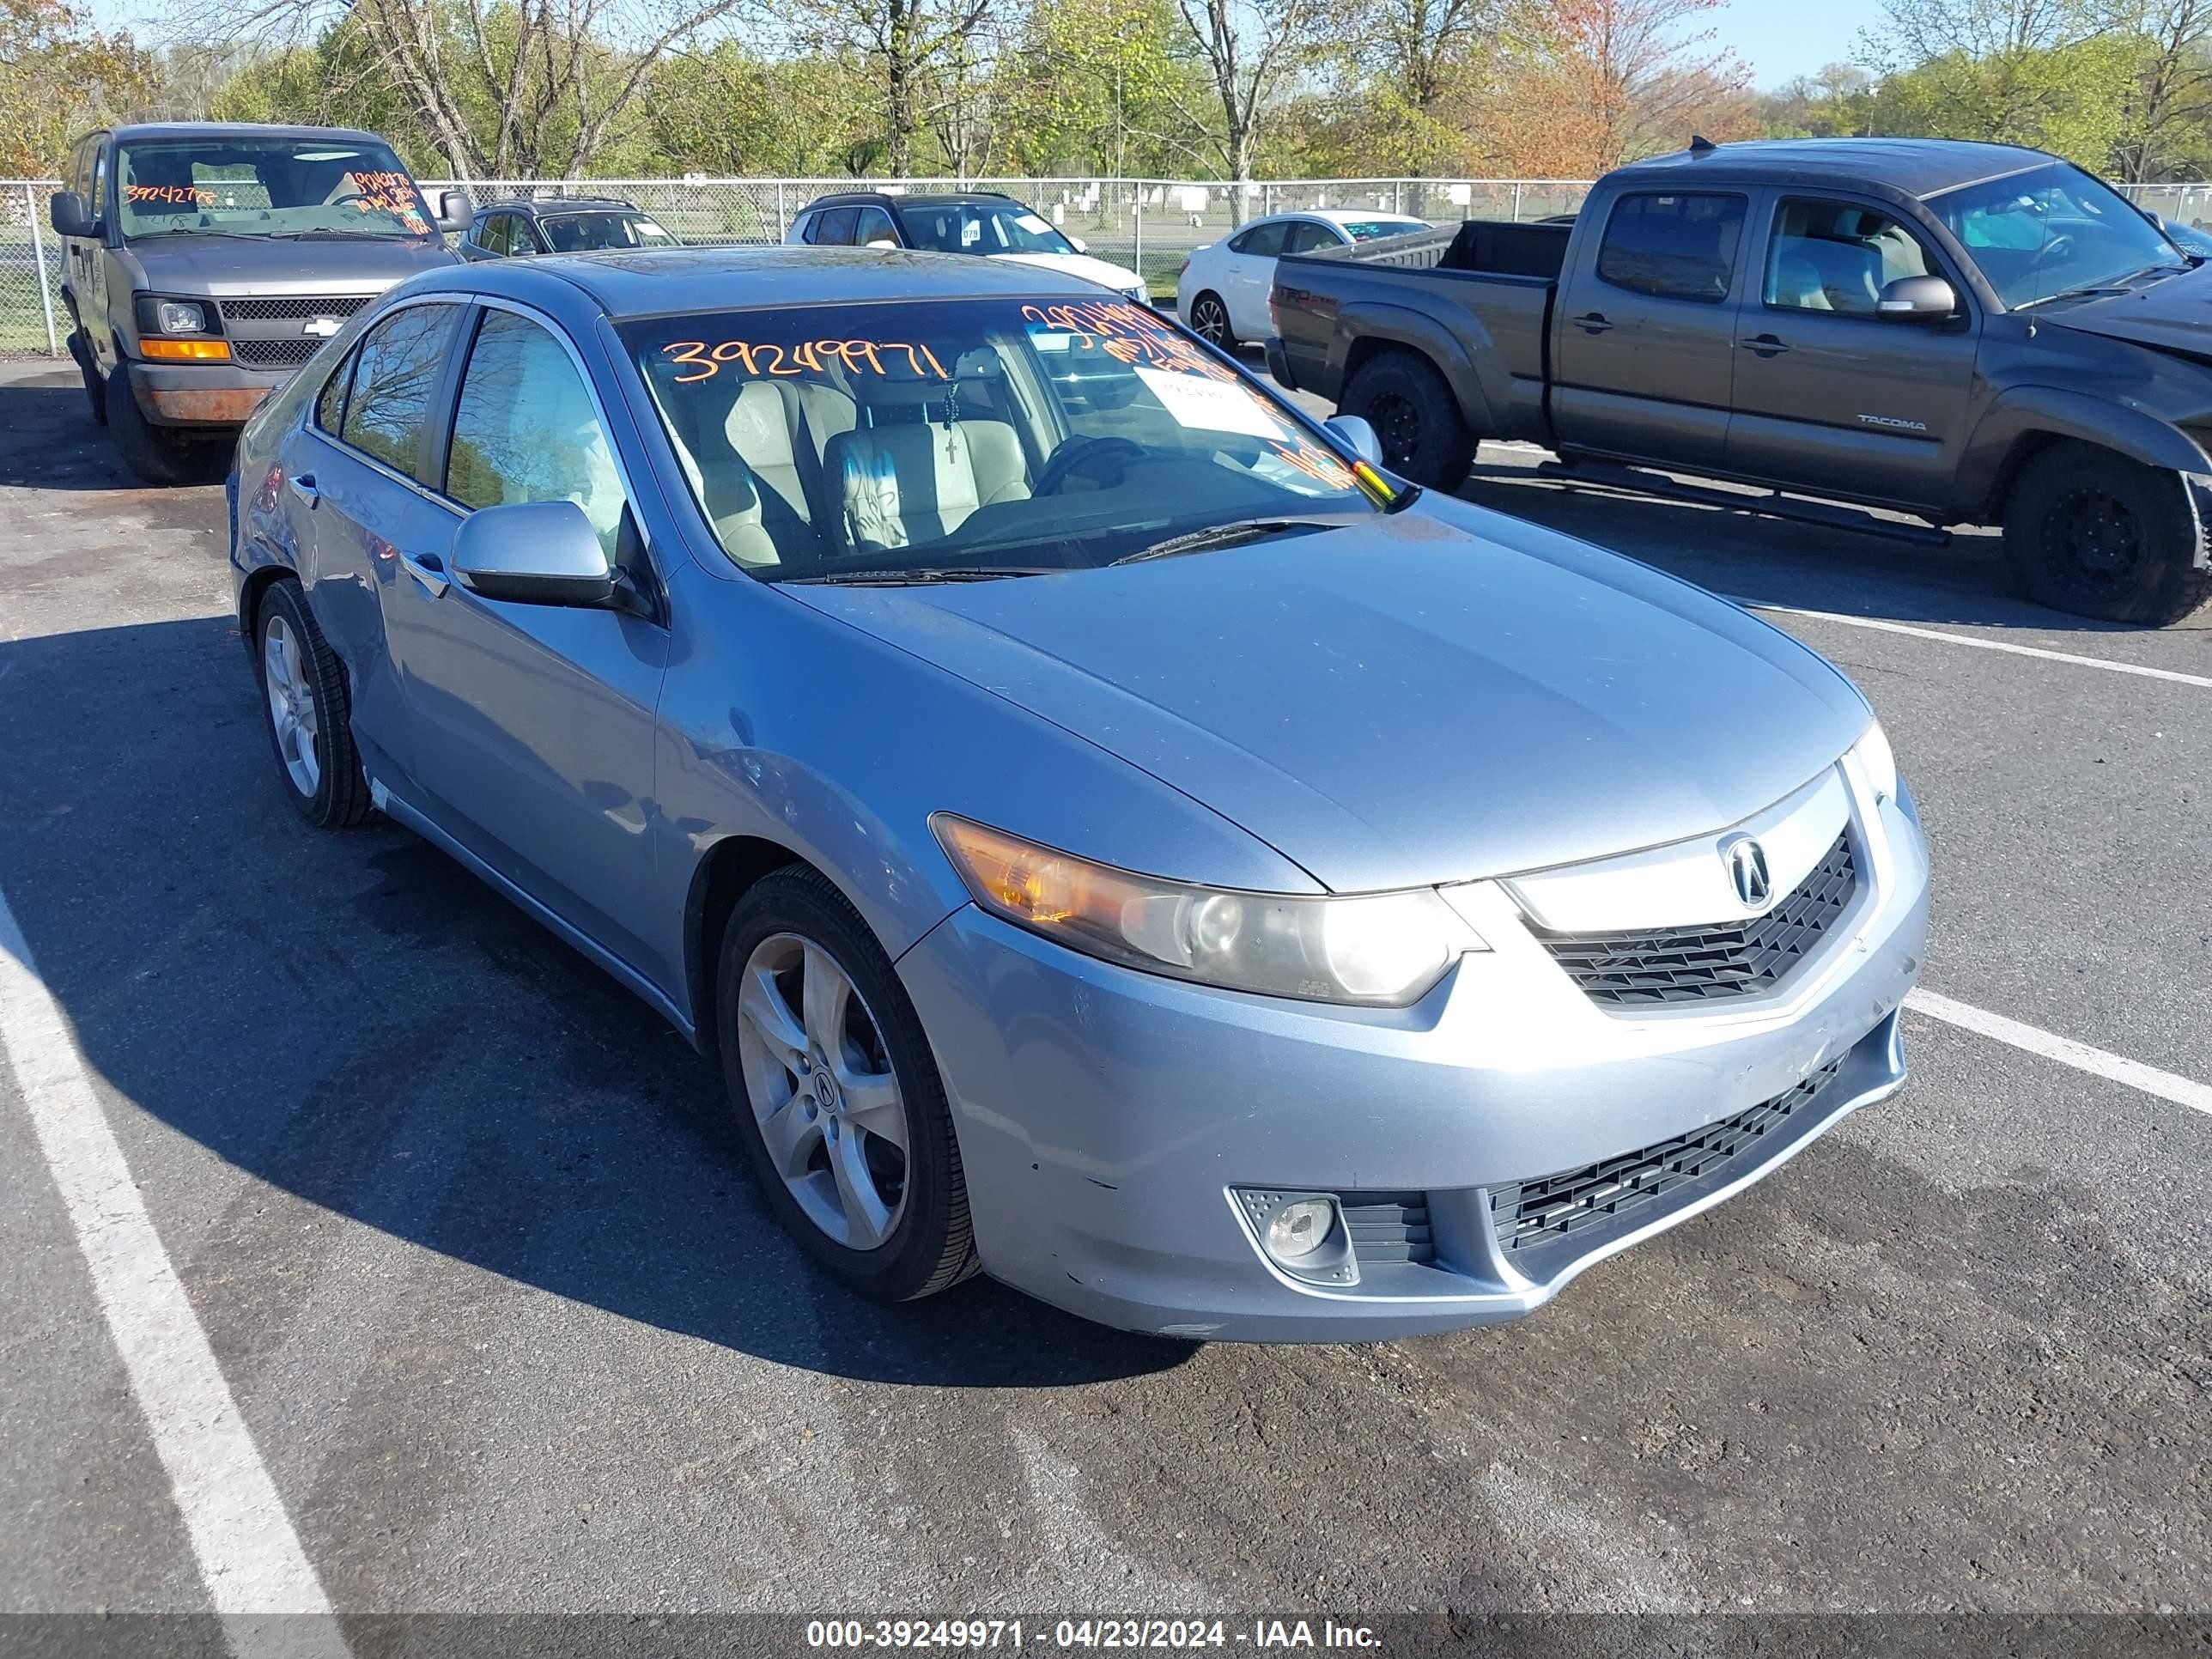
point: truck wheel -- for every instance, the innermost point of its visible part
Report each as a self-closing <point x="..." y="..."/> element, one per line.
<point x="156" y="454"/>
<point x="2094" y="534"/>
<point x="1413" y="412"/>
<point x="1209" y="321"/>
<point x="96" y="389"/>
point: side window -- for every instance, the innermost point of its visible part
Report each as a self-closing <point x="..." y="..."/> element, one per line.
<point x="802" y="227"/>
<point x="1305" y="236"/>
<point x="1265" y="241"/>
<point x="1676" y="246"/>
<point x="489" y="232"/>
<point x="875" y="225"/>
<point x="526" y="429"/>
<point x="395" y="373"/>
<point x="1838" y="256"/>
<point x="99" y="192"/>
<point x="522" y="236"/>
<point x="330" y="402"/>
<point x="835" y="227"/>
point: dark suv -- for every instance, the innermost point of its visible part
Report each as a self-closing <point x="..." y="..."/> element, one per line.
<point x="562" y="224"/>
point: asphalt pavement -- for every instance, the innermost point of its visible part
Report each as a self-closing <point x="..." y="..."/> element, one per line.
<point x="509" y="1329"/>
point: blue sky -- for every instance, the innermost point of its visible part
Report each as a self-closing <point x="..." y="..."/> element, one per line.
<point x="1780" y="39"/>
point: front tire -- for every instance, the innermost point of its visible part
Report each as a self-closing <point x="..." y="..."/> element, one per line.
<point x="1209" y="321"/>
<point x="837" y="1095"/>
<point x="307" y="710"/>
<point x="96" y="389"/>
<point x="156" y="454"/>
<point x="2095" y="534"/>
<point x="1414" y="414"/>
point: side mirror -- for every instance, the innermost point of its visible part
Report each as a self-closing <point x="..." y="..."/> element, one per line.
<point x="455" y="211"/>
<point x="1917" y="299"/>
<point x="1357" y="435"/>
<point x="1078" y="245"/>
<point x="70" y="216"/>
<point x="533" y="553"/>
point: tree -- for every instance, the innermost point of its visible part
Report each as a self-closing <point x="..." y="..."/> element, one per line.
<point x="59" y="75"/>
<point x="905" y="46"/>
<point x="2164" y="126"/>
<point x="1836" y="103"/>
<point x="1103" y="85"/>
<point x="1249" y="49"/>
<point x="1604" y="81"/>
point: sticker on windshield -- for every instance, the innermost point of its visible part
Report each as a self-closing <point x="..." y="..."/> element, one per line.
<point x="1031" y="224"/>
<point x="650" y="228"/>
<point x="1212" y="406"/>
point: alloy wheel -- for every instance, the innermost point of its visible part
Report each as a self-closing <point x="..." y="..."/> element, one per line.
<point x="1210" y="319"/>
<point x="292" y="706"/>
<point x="819" y="1080"/>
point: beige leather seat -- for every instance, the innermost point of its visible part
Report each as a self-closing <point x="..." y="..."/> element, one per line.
<point x="915" y="482"/>
<point x="782" y="428"/>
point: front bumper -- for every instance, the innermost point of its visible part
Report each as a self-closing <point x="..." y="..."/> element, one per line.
<point x="1107" y="1118"/>
<point x="202" y="394"/>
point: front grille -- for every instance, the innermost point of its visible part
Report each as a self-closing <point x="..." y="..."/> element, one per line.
<point x="298" y="309"/>
<point x="1728" y="959"/>
<point x="274" y="354"/>
<point x="1614" y="1194"/>
<point x="1388" y="1227"/>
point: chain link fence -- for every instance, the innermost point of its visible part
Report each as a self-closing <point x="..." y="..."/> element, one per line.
<point x="1149" y="225"/>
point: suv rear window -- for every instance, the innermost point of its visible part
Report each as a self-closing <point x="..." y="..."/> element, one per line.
<point x="1676" y="246"/>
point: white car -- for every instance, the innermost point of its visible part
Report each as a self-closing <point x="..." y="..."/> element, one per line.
<point x="1223" y="291"/>
<point x="964" y="221"/>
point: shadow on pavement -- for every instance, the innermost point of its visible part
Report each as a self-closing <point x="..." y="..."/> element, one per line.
<point x="48" y="439"/>
<point x="356" y="1020"/>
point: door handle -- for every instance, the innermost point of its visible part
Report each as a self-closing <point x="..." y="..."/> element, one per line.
<point x="428" y="569"/>
<point x="1593" y="322"/>
<point x="303" y="486"/>
<point x="1764" y="344"/>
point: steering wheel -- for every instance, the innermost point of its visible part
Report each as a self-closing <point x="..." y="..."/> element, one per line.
<point x="1076" y="454"/>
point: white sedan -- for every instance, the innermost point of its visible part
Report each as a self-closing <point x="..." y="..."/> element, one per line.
<point x="1223" y="291"/>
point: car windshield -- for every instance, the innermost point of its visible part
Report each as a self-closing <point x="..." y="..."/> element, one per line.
<point x="245" y="187"/>
<point x="943" y="437"/>
<point x="580" y="233"/>
<point x="2049" y="231"/>
<point x="1366" y="230"/>
<point x="981" y="228"/>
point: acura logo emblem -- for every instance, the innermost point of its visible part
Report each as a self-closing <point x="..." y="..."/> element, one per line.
<point x="1746" y="867"/>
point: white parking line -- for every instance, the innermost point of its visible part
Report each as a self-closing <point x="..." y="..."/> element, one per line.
<point x="2080" y="1056"/>
<point x="251" y="1560"/>
<point x="2135" y="668"/>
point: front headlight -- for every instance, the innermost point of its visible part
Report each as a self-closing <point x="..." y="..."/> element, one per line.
<point x="1382" y="950"/>
<point x="1139" y="297"/>
<point x="179" y="316"/>
<point x="1878" y="761"/>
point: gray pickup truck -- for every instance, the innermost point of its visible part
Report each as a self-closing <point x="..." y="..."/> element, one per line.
<point x="1967" y="334"/>
<point x="204" y="262"/>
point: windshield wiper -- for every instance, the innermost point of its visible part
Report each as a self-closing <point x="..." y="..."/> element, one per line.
<point x="966" y="573"/>
<point x="337" y="234"/>
<point x="196" y="230"/>
<point x="1221" y="535"/>
<point x="2104" y="285"/>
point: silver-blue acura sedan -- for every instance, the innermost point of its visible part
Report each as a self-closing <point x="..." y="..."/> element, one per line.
<point x="1108" y="833"/>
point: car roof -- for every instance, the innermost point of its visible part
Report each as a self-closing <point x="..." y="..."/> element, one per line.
<point x="1919" y="167"/>
<point x="645" y="284"/>
<point x="149" y="130"/>
<point x="561" y="204"/>
<point x="904" y="199"/>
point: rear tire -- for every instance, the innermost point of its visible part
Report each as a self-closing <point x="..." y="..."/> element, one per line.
<point x="2092" y="533"/>
<point x="307" y="710"/>
<point x="1414" y="413"/>
<point x="158" y="454"/>
<point x="908" y="1234"/>
<point x="96" y="389"/>
<point x="1209" y="321"/>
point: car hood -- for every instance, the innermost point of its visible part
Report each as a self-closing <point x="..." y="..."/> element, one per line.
<point x="1081" y="265"/>
<point x="1437" y="696"/>
<point x="2174" y="314"/>
<point x="220" y="266"/>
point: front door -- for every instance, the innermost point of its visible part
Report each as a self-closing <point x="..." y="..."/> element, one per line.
<point x="1643" y="353"/>
<point x="533" y="725"/>
<point x="1830" y="395"/>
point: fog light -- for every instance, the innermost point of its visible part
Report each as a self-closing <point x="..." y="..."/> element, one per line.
<point x="1298" y="1229"/>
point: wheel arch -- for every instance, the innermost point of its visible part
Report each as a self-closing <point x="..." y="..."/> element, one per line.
<point x="1374" y="330"/>
<point x="724" y="876"/>
<point x="2029" y="421"/>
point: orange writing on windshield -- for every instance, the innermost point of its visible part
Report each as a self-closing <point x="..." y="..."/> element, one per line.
<point x="805" y="357"/>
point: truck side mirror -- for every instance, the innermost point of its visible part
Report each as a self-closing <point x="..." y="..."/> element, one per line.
<point x="70" y="216"/>
<point x="455" y="211"/>
<point x="1917" y="299"/>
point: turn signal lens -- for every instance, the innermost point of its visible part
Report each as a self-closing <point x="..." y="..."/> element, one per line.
<point x="1879" y="761"/>
<point x="186" y="350"/>
<point x="1385" y="949"/>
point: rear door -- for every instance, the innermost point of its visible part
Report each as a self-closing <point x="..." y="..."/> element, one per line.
<point x="1249" y="276"/>
<point x="365" y="533"/>
<point x="1832" y="396"/>
<point x="1643" y="356"/>
<point x="533" y="725"/>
